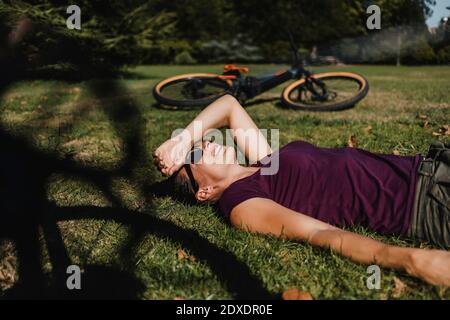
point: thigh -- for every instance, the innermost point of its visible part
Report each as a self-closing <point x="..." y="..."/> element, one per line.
<point x="431" y="213"/>
<point x="436" y="204"/>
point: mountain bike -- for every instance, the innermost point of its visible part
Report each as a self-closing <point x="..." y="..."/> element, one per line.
<point x="329" y="91"/>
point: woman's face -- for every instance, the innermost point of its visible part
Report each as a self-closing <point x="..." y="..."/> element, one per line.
<point x="216" y="154"/>
<point x="214" y="163"/>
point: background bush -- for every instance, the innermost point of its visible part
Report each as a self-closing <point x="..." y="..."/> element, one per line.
<point x="422" y="53"/>
<point x="184" y="58"/>
<point x="237" y="50"/>
<point x="443" y="55"/>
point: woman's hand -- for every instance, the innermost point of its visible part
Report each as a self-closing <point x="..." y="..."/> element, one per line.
<point x="170" y="156"/>
<point x="433" y="266"/>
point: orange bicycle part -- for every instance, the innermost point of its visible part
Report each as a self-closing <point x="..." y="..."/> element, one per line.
<point x="232" y="67"/>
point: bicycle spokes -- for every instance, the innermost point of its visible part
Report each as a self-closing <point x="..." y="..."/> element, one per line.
<point x="314" y="91"/>
<point x="193" y="89"/>
<point x="196" y="88"/>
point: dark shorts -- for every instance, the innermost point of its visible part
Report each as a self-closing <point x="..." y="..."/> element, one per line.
<point x="431" y="211"/>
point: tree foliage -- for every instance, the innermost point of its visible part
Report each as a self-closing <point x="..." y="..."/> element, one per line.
<point x="113" y="34"/>
<point x="121" y="32"/>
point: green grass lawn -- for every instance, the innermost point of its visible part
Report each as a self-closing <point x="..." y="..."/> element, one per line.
<point x="104" y="130"/>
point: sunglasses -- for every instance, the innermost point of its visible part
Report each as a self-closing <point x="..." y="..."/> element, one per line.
<point x="193" y="157"/>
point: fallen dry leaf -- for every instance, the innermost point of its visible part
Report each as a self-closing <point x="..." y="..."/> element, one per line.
<point x="295" y="294"/>
<point x="422" y="116"/>
<point x="443" y="131"/>
<point x="178" y="298"/>
<point x="425" y="124"/>
<point x="183" y="255"/>
<point x="352" y="142"/>
<point x="396" y="152"/>
<point x="399" y="288"/>
<point x="8" y="267"/>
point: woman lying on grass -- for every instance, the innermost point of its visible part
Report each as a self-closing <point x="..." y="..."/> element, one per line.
<point x="316" y="190"/>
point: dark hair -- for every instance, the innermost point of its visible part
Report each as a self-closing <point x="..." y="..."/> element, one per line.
<point x="182" y="187"/>
<point x="177" y="187"/>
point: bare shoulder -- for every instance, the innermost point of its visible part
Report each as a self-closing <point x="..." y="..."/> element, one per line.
<point x="246" y="208"/>
<point x="255" y="209"/>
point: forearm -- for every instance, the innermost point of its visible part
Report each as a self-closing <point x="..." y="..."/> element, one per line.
<point x="247" y="135"/>
<point x="364" y="250"/>
<point x="227" y="112"/>
<point x="216" y="115"/>
<point x="267" y="217"/>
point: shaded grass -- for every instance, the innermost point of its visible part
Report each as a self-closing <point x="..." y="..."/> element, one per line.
<point x="69" y="120"/>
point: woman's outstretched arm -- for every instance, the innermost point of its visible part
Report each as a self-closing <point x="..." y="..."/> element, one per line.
<point x="266" y="216"/>
<point x="224" y="112"/>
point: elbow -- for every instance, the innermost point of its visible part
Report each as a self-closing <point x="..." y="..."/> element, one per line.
<point x="325" y="237"/>
<point x="231" y="102"/>
<point x="233" y="107"/>
<point x="230" y="99"/>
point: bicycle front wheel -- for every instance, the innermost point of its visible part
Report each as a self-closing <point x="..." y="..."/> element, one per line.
<point x="339" y="91"/>
<point x="191" y="90"/>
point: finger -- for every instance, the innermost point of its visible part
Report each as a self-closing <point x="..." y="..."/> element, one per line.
<point x="158" y="157"/>
<point x="169" y="170"/>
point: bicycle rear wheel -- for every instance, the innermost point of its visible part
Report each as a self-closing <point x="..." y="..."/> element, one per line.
<point x="191" y="90"/>
<point x="344" y="90"/>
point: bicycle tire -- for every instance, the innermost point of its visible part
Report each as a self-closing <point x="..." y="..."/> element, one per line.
<point x="346" y="104"/>
<point x="158" y="90"/>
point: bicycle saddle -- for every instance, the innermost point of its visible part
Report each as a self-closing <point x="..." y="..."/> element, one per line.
<point x="232" y="67"/>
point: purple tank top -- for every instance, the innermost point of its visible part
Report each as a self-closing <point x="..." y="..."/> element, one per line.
<point x="340" y="186"/>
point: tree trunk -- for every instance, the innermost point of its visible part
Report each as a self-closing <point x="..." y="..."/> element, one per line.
<point x="399" y="48"/>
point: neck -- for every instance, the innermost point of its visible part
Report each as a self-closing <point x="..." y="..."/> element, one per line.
<point x="239" y="172"/>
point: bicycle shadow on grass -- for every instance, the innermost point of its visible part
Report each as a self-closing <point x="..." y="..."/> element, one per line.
<point x="259" y="101"/>
<point x="25" y="210"/>
<point x="281" y="106"/>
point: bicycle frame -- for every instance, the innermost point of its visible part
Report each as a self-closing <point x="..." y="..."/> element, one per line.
<point x="253" y="86"/>
<point x="297" y="72"/>
<point x="265" y="83"/>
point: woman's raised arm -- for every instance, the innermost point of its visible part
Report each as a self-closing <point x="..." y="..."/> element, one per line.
<point x="224" y="112"/>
